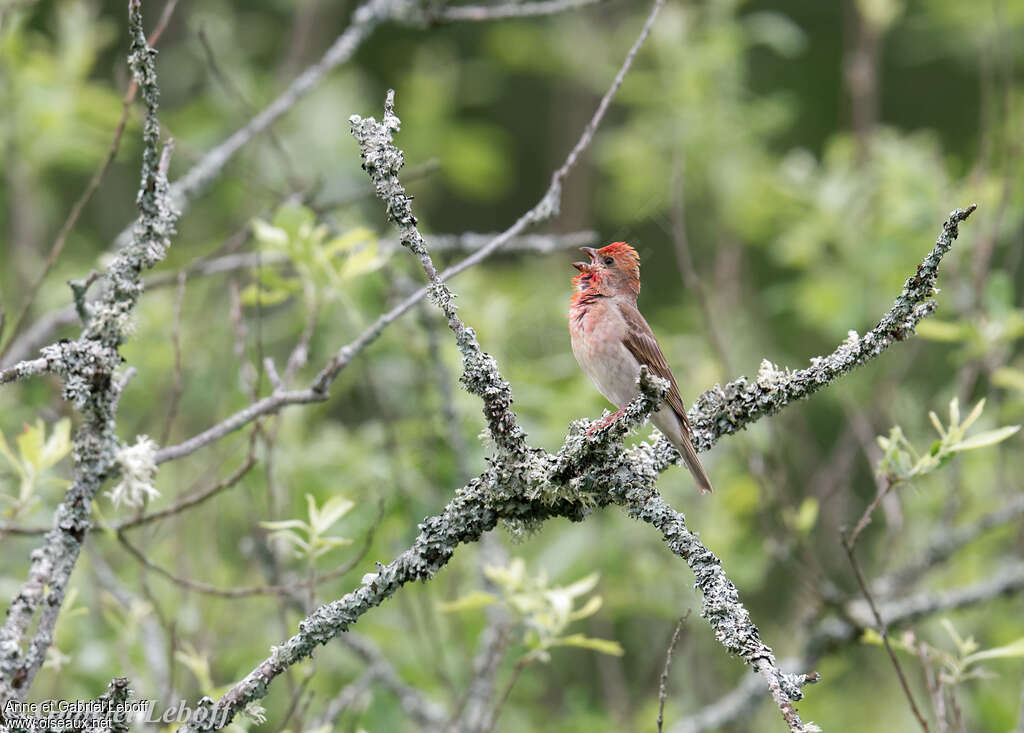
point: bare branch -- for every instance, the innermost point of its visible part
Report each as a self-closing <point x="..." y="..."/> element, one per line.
<point x="240" y="419"/>
<point x="457" y="13"/>
<point x="663" y="680"/>
<point x="881" y="627"/>
<point x="544" y="209"/>
<point x="1007" y="580"/>
<point x="421" y="709"/>
<point x="946" y="544"/>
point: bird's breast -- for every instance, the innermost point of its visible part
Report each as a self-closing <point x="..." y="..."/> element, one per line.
<point x="598" y="332"/>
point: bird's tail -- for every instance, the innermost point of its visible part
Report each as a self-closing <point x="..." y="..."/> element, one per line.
<point x="685" y="448"/>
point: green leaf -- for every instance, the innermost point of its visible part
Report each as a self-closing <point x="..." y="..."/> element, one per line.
<point x="58" y="444"/>
<point x="592" y="606"/>
<point x="935" y="330"/>
<point x="806" y="515"/>
<point x="604" y="646"/>
<point x="469" y="602"/>
<point x="269" y="237"/>
<point x="8" y="454"/>
<point x="285" y="524"/>
<point x="870" y="636"/>
<point x="1008" y="378"/>
<point x="582" y="586"/>
<point x="30" y="444"/>
<point x="974" y="415"/>
<point x="292" y="218"/>
<point x="989" y="437"/>
<point x="1011" y="650"/>
<point x="362" y="261"/>
<point x="954" y="413"/>
<point x="345" y="242"/>
<point x="334" y="509"/>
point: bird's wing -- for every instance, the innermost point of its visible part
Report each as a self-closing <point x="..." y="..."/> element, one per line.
<point x="640" y="341"/>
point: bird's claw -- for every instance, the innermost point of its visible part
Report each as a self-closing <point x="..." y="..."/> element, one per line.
<point x="605" y="421"/>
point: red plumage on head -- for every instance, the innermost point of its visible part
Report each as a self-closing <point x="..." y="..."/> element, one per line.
<point x="621" y="252"/>
<point x="626" y="260"/>
<point x="597" y="279"/>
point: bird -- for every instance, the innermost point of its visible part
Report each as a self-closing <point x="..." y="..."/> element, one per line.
<point x="611" y="340"/>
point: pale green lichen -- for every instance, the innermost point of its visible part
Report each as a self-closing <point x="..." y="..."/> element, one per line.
<point x="137" y="466"/>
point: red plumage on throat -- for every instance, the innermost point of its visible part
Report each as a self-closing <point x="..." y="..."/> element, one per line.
<point x="587" y="284"/>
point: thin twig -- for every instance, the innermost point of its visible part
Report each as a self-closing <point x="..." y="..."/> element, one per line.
<point x="934" y="687"/>
<point x="885" y="485"/>
<point x="684" y="259"/>
<point x="544" y="209"/>
<point x="943" y="546"/>
<point x="516" y="671"/>
<point x="457" y="13"/>
<point x="178" y="386"/>
<point x="190" y="501"/>
<point x="663" y="680"/>
<point x="233" y="90"/>
<point x="882" y="628"/>
<point x="254" y="590"/>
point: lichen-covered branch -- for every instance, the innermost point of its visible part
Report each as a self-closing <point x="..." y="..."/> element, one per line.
<point x="382" y="161"/>
<point x="24" y="370"/>
<point x="723" y="410"/>
<point x="88" y="367"/>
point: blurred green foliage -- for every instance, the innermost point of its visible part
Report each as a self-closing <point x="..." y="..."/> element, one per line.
<point x="737" y="122"/>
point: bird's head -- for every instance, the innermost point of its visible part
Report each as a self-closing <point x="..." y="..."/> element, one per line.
<point x="612" y="270"/>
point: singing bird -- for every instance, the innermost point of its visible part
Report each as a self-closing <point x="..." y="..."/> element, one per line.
<point x="611" y="340"/>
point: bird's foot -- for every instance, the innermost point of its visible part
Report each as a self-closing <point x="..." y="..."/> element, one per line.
<point x="605" y="421"/>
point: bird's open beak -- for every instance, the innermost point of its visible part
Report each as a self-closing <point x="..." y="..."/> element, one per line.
<point x="586" y="266"/>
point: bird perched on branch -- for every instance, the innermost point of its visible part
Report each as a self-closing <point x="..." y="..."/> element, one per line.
<point x="611" y="340"/>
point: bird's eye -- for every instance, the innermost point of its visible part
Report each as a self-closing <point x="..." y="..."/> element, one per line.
<point x="608" y="261"/>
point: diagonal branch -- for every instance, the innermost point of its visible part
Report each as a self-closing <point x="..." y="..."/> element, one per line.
<point x="480" y="375"/>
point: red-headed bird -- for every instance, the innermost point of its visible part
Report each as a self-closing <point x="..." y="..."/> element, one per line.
<point x="611" y="340"/>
